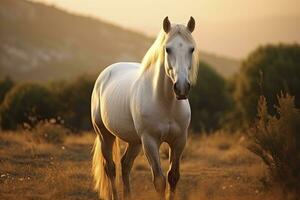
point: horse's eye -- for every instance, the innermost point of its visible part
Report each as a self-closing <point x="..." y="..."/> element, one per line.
<point x="168" y="50"/>
<point x="192" y="50"/>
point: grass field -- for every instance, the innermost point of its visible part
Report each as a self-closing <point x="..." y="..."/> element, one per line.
<point x="213" y="167"/>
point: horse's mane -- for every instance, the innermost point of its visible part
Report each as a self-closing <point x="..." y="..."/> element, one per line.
<point x="156" y="52"/>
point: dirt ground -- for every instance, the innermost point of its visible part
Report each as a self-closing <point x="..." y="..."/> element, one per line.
<point x="213" y="167"/>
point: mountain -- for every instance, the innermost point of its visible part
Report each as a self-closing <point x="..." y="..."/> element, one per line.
<point x="40" y="42"/>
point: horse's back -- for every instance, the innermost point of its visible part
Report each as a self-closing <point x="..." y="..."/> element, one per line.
<point x="110" y="99"/>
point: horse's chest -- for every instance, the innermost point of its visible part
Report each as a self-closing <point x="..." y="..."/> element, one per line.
<point x="169" y="129"/>
<point x="161" y="124"/>
<point x="166" y="129"/>
<point x="160" y="119"/>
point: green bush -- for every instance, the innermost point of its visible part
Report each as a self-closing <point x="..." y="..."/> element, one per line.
<point x="66" y="101"/>
<point x="276" y="140"/>
<point x="5" y="85"/>
<point x="27" y="103"/>
<point x="75" y="99"/>
<point x="267" y="71"/>
<point x="209" y="100"/>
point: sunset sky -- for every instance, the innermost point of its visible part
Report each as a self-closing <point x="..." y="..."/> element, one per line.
<point x="232" y="27"/>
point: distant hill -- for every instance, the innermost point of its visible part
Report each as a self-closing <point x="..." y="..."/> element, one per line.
<point x="39" y="42"/>
<point x="223" y="65"/>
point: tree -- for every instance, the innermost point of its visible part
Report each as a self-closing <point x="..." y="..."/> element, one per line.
<point x="209" y="100"/>
<point x="267" y="71"/>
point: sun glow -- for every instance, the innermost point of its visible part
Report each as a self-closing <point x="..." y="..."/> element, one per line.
<point x="218" y="22"/>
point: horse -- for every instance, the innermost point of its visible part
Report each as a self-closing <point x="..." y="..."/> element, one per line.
<point x="144" y="104"/>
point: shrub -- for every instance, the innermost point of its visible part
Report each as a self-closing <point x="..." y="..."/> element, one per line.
<point x="27" y="103"/>
<point x="5" y="85"/>
<point x="49" y="132"/>
<point x="209" y="100"/>
<point x="66" y="101"/>
<point x="267" y="71"/>
<point x="276" y="140"/>
<point x="75" y="99"/>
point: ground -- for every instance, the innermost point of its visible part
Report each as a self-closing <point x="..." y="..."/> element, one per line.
<point x="213" y="167"/>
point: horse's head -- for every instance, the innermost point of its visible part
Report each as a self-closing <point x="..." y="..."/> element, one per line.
<point x="180" y="53"/>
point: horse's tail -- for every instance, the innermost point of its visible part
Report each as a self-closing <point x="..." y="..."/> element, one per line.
<point x="101" y="179"/>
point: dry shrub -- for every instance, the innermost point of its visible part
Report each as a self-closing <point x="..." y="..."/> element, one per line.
<point x="276" y="140"/>
<point x="46" y="131"/>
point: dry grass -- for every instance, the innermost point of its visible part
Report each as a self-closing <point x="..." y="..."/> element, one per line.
<point x="48" y="132"/>
<point x="213" y="167"/>
<point x="31" y="170"/>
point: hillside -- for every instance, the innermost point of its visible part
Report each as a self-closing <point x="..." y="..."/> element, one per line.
<point x="39" y="42"/>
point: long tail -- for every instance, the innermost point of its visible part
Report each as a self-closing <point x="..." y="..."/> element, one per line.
<point x="101" y="179"/>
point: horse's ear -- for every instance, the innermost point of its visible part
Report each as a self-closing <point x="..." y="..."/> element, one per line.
<point x="166" y="25"/>
<point x="191" y="24"/>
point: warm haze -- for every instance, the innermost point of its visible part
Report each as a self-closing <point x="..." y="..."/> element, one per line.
<point x="232" y="28"/>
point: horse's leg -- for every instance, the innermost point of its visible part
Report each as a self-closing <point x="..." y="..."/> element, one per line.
<point x="107" y="142"/>
<point x="151" y="149"/>
<point x="176" y="149"/>
<point x="132" y="150"/>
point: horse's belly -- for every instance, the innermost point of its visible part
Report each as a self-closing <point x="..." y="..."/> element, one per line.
<point x="121" y="127"/>
<point x="115" y="111"/>
<point x="118" y="120"/>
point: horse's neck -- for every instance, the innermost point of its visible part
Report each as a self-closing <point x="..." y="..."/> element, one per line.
<point x="162" y="86"/>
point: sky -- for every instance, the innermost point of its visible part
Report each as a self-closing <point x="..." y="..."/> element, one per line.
<point x="227" y="27"/>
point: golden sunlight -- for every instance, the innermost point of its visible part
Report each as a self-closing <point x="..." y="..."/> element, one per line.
<point x="262" y="21"/>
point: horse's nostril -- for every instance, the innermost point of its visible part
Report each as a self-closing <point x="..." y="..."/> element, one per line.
<point x="188" y="86"/>
<point x="175" y="87"/>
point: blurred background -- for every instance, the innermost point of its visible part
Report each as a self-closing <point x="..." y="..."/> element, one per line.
<point x="51" y="52"/>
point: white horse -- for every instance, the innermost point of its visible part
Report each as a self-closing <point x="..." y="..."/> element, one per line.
<point x="144" y="105"/>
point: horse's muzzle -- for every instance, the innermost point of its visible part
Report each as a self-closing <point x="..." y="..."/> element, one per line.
<point x="181" y="90"/>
